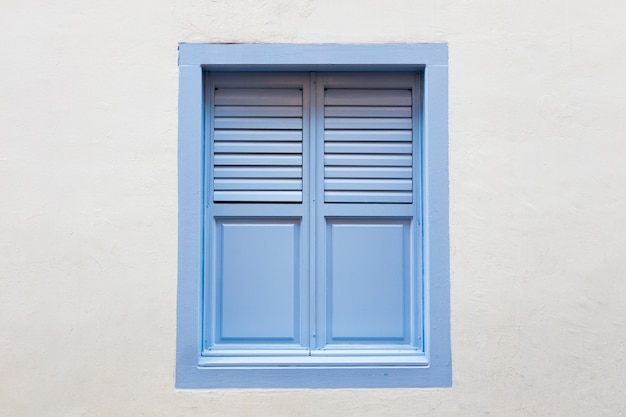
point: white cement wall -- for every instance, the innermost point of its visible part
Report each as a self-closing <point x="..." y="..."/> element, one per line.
<point x="88" y="119"/>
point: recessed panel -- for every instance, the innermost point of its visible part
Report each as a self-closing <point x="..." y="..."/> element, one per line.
<point x="258" y="280"/>
<point x="368" y="280"/>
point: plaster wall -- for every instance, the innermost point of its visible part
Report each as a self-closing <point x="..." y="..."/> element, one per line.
<point x="88" y="120"/>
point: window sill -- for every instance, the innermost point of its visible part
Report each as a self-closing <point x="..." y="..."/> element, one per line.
<point x="349" y="360"/>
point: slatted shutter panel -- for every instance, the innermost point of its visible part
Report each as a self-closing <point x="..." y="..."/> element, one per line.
<point x="367" y="218"/>
<point x="257" y="225"/>
<point x="368" y="145"/>
<point x="257" y="149"/>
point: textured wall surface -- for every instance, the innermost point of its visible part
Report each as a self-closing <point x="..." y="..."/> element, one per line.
<point x="88" y="119"/>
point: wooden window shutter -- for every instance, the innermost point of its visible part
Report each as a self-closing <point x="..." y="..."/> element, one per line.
<point x="256" y="287"/>
<point x="367" y="216"/>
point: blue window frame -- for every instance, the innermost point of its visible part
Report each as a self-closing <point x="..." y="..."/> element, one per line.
<point x="313" y="216"/>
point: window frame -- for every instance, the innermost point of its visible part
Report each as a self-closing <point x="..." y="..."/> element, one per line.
<point x="429" y="59"/>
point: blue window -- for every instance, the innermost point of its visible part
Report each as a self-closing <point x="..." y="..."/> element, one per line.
<point x="313" y="228"/>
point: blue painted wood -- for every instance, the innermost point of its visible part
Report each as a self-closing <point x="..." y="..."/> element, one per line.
<point x="395" y="184"/>
<point x="258" y="211"/>
<point x="367" y="111"/>
<point x="258" y="123"/>
<point x="368" y="282"/>
<point x="372" y="148"/>
<point x="190" y="222"/>
<point x="429" y="364"/>
<point x="367" y="160"/>
<point x="248" y="167"/>
<point x="259" y="274"/>
<point x="257" y="159"/>
<point x="357" y="152"/>
<point x="358" y="199"/>
<point x="310" y="56"/>
<point x="436" y="222"/>
<point x="258" y="135"/>
<point x="254" y="196"/>
<point x="368" y="172"/>
<point x="368" y="196"/>
<point x="258" y="147"/>
<point x="257" y="97"/>
<point x="257" y="184"/>
<point x="291" y="356"/>
<point x="367" y="97"/>
<point x="256" y="113"/>
<point x="257" y="172"/>
<point x="368" y="123"/>
<point x="368" y="135"/>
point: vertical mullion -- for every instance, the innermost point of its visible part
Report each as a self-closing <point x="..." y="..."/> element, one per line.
<point x="320" y="222"/>
<point x="308" y="138"/>
<point x="311" y="202"/>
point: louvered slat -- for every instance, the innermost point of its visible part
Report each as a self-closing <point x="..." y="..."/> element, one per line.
<point x="258" y="97"/>
<point x="258" y="123"/>
<point x="367" y="97"/>
<point x="368" y="123"/>
<point x="367" y="197"/>
<point x="258" y="111"/>
<point x="251" y="196"/>
<point x="257" y="145"/>
<point x="368" y="146"/>
<point x="257" y="172"/>
<point x="257" y="135"/>
<point x="368" y="136"/>
<point x="367" y="160"/>
<point x="368" y="111"/>
<point x="394" y="184"/>
<point x="368" y="172"/>
<point x="257" y="184"/>
<point x="252" y="160"/>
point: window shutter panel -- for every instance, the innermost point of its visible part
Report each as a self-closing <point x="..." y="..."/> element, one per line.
<point x="367" y="224"/>
<point x="257" y="149"/>
<point x="257" y="284"/>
